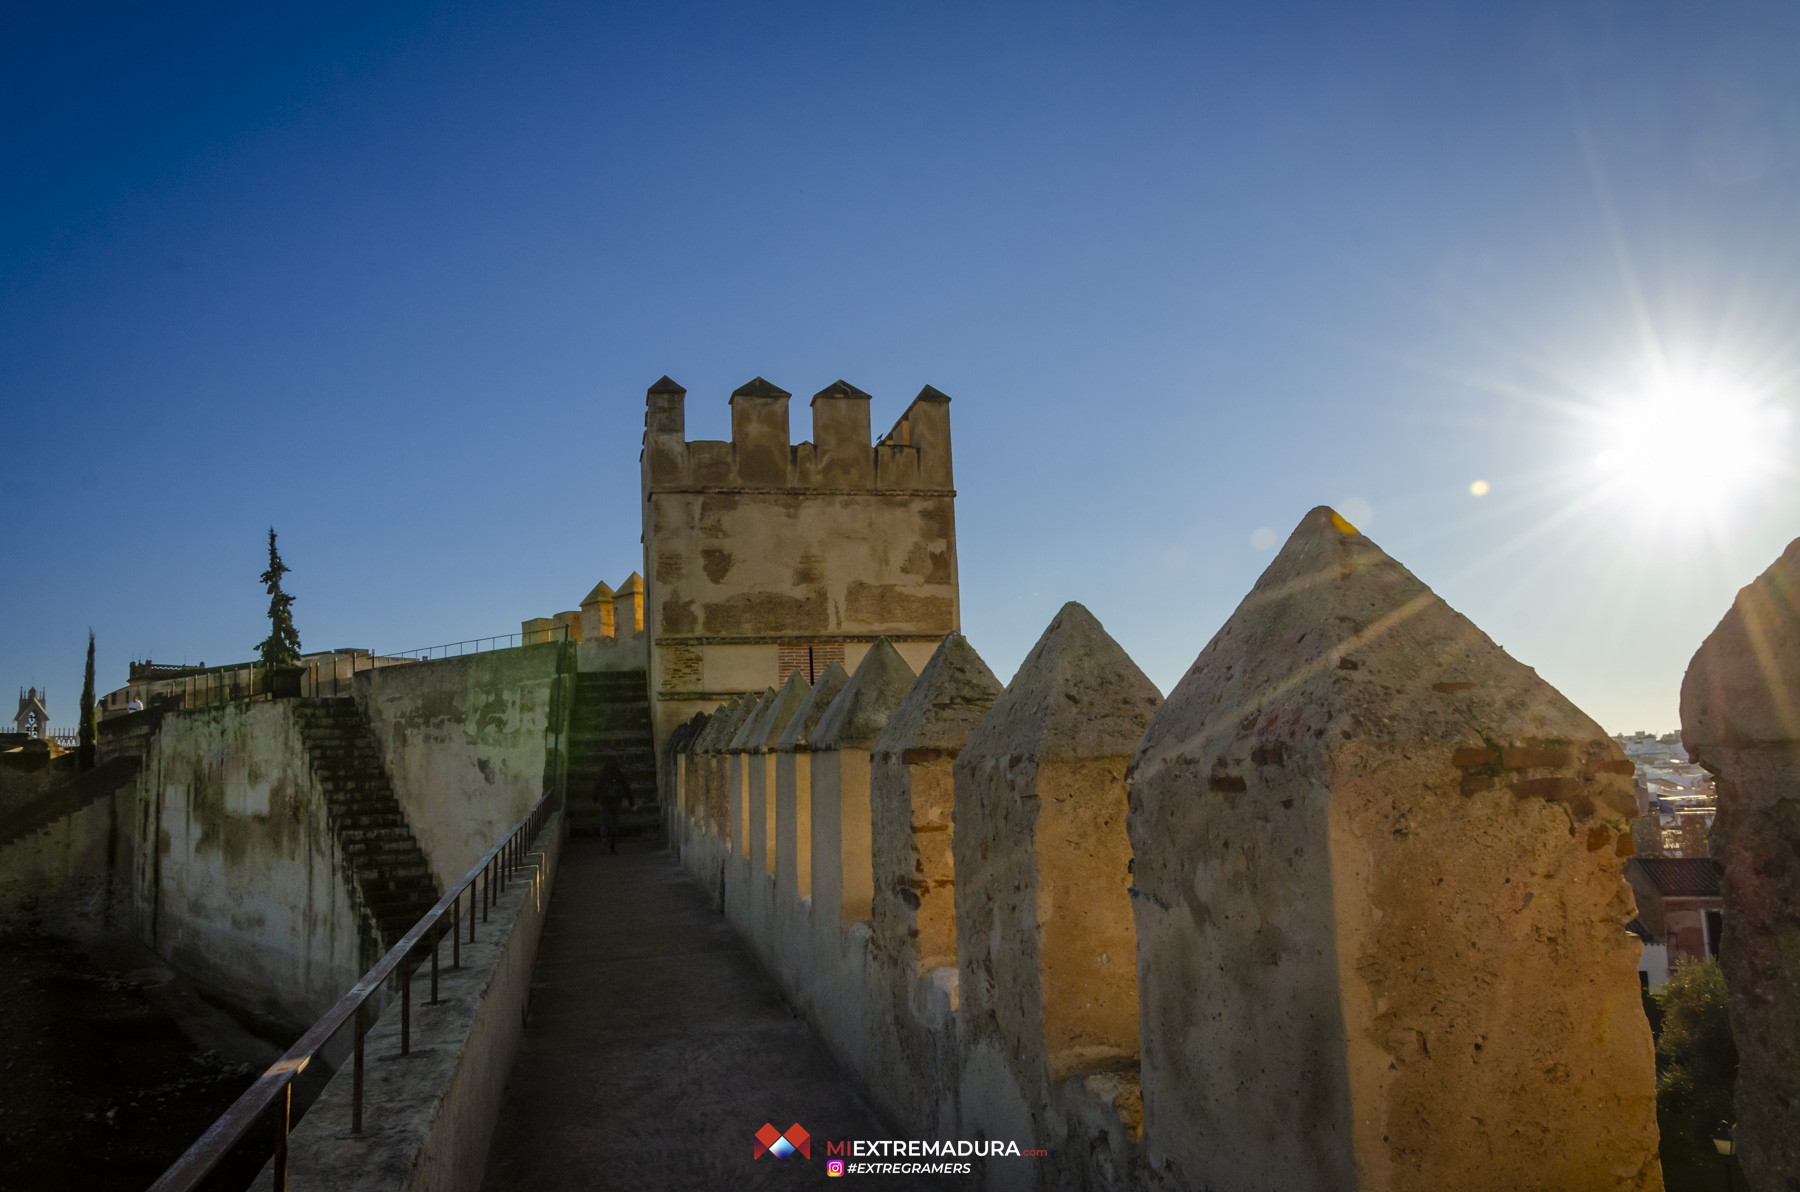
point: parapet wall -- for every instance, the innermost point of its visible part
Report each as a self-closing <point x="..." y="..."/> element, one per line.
<point x="429" y="1115"/>
<point x="1346" y="911"/>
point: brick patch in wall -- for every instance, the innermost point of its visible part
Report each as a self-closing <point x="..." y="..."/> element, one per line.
<point x="810" y="661"/>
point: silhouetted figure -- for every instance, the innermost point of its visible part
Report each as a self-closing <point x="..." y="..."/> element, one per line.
<point x="611" y="791"/>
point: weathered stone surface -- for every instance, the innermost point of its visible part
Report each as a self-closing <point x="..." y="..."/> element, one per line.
<point x="1379" y="903"/>
<point x="912" y="806"/>
<point x="464" y="742"/>
<point x="628" y="606"/>
<point x="859" y="713"/>
<point x="758" y="547"/>
<point x="597" y="612"/>
<point x="819" y="698"/>
<point x="1044" y="935"/>
<point x="429" y="1116"/>
<point x="237" y="829"/>
<point x="759" y="707"/>
<point x="698" y="767"/>
<point x="676" y="757"/>
<point x="839" y="745"/>
<point x="738" y="774"/>
<point x="761" y="765"/>
<point x="793" y="788"/>
<point x="1743" y="686"/>
<point x="1740" y="718"/>
<point x="709" y="750"/>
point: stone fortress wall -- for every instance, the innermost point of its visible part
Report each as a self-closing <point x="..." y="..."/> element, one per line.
<point x="240" y="868"/>
<point x="763" y="557"/>
<point x="1345" y="911"/>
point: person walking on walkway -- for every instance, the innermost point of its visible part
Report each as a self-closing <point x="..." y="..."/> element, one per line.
<point x="611" y="791"/>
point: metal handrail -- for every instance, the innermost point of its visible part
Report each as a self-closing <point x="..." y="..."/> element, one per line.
<point x="317" y="667"/>
<point x="542" y="637"/>
<point x="273" y="1087"/>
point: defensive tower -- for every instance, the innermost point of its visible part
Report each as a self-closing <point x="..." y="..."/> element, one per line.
<point x="763" y="557"/>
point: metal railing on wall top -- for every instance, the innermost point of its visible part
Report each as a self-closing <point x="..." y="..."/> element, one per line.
<point x="485" y="881"/>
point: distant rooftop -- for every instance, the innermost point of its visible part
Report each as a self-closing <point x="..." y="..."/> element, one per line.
<point x="1680" y="877"/>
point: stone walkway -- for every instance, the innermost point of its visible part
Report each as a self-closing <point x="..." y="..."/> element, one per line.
<point x="656" y="1047"/>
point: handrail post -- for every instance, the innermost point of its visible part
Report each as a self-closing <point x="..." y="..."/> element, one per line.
<point x="456" y="931"/>
<point x="256" y="1104"/>
<point x="281" y="1136"/>
<point x="356" y="1079"/>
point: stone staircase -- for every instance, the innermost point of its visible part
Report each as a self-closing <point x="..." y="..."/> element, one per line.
<point x="609" y="720"/>
<point x="391" y="882"/>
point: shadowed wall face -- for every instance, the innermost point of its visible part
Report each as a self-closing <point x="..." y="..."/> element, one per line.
<point x="793" y="787"/>
<point x="1740" y="718"/>
<point x="468" y="743"/>
<point x="241" y="882"/>
<point x="1046" y="944"/>
<point x="839" y="744"/>
<point x="913" y="807"/>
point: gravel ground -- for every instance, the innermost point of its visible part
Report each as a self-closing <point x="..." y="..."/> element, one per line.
<point x="102" y="1081"/>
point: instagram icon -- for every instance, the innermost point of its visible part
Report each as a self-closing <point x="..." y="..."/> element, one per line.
<point x="834" y="1167"/>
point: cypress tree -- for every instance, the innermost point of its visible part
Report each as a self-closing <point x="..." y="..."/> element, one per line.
<point x="84" y="732"/>
<point x="282" y="646"/>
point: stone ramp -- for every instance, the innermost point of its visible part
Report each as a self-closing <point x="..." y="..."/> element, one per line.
<point x="656" y="1048"/>
<point x="63" y="801"/>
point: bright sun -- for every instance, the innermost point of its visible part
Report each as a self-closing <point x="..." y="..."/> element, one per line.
<point x="1686" y="449"/>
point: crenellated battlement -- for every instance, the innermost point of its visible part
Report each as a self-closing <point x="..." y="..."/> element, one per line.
<point x="914" y="456"/>
<point x="1344" y="911"/>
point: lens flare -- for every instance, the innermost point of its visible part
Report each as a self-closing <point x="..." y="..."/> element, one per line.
<point x="1686" y="449"/>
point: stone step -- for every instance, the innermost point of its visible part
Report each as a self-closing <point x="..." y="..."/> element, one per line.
<point x="610" y="725"/>
<point x="384" y="820"/>
<point x="393" y="880"/>
<point x="333" y="767"/>
<point x="397" y="893"/>
<point x="366" y="814"/>
<point x="383" y="849"/>
<point x="342" y="756"/>
<point x="371" y="840"/>
<point x="634" y="773"/>
<point x="612" y="743"/>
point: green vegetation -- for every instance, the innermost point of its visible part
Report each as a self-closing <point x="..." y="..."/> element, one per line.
<point x="282" y="646"/>
<point x="1696" y="1064"/>
<point x="84" y="732"/>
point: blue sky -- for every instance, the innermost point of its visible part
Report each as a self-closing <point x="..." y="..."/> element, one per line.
<point x="394" y="279"/>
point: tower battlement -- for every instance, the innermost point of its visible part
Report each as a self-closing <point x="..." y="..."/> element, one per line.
<point x="913" y="456"/>
<point x="763" y="556"/>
